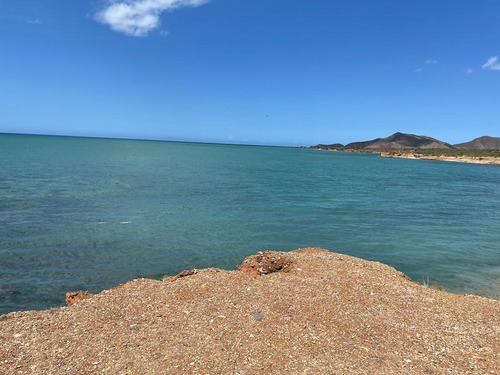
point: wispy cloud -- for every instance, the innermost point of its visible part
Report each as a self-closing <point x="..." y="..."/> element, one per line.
<point x="469" y="71"/>
<point x="139" y="17"/>
<point x="428" y="61"/>
<point x="492" y="64"/>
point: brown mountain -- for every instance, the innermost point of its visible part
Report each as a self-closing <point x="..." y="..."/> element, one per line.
<point x="401" y="140"/>
<point x="481" y="143"/>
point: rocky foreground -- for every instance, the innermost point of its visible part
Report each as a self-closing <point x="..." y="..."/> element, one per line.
<point x="305" y="312"/>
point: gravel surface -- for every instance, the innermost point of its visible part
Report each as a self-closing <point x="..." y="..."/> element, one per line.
<point x="304" y="312"/>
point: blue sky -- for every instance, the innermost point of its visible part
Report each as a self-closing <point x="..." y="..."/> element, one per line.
<point x="261" y="72"/>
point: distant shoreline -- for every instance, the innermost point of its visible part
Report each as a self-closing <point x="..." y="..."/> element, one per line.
<point x="459" y="157"/>
<point x="487" y="160"/>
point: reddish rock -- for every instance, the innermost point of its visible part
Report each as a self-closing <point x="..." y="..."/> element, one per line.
<point x="181" y="275"/>
<point x="264" y="263"/>
<point x="74" y="297"/>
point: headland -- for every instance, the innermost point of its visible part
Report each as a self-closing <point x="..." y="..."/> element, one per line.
<point x="482" y="150"/>
<point x="305" y="312"/>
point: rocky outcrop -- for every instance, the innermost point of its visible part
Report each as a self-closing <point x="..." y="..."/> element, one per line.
<point x="265" y="263"/>
<point x="304" y="312"/>
<point x="74" y="297"/>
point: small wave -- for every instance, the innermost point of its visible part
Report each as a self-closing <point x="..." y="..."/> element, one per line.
<point x="125" y="222"/>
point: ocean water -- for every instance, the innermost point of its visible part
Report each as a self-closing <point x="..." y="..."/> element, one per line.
<point x="81" y="213"/>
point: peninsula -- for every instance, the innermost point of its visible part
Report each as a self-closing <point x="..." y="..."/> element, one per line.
<point x="482" y="150"/>
<point x="305" y="312"/>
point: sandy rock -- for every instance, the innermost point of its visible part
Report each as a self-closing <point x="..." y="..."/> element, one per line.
<point x="265" y="263"/>
<point x="74" y="297"/>
<point x="181" y="275"/>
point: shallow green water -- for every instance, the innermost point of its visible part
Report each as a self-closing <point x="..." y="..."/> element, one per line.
<point x="79" y="213"/>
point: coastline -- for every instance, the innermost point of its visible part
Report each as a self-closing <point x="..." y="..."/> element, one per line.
<point x="456" y="159"/>
<point x="416" y="155"/>
<point x="308" y="311"/>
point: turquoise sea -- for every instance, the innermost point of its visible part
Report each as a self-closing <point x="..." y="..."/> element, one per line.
<point x="82" y="213"/>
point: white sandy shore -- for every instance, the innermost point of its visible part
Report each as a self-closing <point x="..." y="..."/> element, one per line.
<point x="457" y="159"/>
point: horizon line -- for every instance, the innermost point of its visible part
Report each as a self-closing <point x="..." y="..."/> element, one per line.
<point x="124" y="138"/>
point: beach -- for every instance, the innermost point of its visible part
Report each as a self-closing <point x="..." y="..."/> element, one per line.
<point x="456" y="159"/>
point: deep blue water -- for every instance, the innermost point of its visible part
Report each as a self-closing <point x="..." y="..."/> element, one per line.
<point x="80" y="213"/>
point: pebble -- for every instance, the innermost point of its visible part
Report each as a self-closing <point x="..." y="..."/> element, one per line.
<point x="258" y="316"/>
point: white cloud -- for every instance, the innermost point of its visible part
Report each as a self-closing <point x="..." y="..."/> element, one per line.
<point x="418" y="70"/>
<point x="430" y="61"/>
<point x="139" y="17"/>
<point x="469" y="71"/>
<point x="492" y="64"/>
